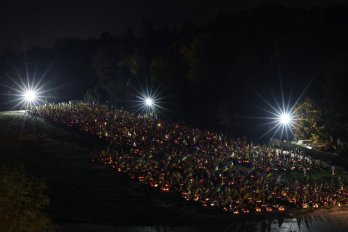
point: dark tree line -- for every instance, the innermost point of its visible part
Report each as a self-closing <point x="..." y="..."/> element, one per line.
<point x="212" y="74"/>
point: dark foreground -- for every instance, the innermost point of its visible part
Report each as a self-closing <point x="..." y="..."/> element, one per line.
<point x="87" y="197"/>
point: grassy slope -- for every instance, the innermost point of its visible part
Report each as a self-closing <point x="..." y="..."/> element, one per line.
<point x="83" y="192"/>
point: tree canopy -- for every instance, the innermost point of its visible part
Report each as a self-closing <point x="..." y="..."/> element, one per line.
<point x="210" y="74"/>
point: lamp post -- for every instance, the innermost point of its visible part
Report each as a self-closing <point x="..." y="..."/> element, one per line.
<point x="285" y="120"/>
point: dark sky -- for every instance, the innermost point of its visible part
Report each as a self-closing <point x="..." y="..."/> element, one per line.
<point x="28" y="23"/>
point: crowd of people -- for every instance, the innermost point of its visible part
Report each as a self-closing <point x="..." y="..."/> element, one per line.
<point x="200" y="165"/>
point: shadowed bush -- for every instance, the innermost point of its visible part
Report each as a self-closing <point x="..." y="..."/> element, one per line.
<point x="22" y="200"/>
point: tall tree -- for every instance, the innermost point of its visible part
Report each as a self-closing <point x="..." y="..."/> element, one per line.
<point x="195" y="55"/>
<point x="104" y="62"/>
<point x="310" y="123"/>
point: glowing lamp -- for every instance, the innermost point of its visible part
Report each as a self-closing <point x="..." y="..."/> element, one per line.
<point x="30" y="96"/>
<point x="285" y="119"/>
<point x="149" y="102"/>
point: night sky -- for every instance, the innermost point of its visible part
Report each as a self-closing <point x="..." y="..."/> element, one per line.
<point x="25" y="24"/>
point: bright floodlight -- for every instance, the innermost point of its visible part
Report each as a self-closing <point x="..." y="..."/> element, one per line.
<point x="30" y="96"/>
<point x="285" y="119"/>
<point x="149" y="102"/>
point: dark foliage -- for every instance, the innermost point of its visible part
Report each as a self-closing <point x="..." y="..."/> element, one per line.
<point x="211" y="74"/>
<point x="22" y="200"/>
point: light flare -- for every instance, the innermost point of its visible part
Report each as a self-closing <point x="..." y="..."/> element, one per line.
<point x="285" y="118"/>
<point x="149" y="102"/>
<point x="30" y="96"/>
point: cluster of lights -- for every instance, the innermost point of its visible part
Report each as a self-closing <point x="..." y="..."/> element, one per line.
<point x="284" y="119"/>
<point x="31" y="97"/>
<point x="30" y="93"/>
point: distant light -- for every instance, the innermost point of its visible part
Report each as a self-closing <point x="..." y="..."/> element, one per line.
<point x="149" y="102"/>
<point x="30" y="96"/>
<point x="285" y="119"/>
